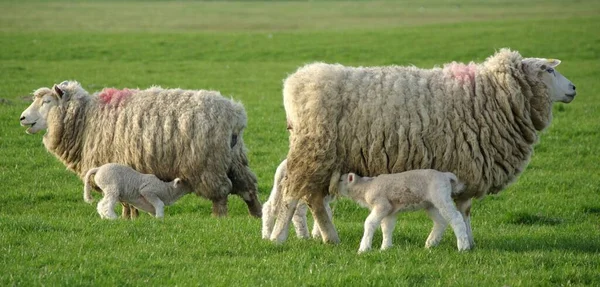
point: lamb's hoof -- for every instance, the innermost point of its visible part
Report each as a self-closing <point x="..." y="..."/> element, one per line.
<point x="464" y="246"/>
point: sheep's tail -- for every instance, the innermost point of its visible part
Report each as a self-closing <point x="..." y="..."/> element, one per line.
<point x="87" y="195"/>
<point x="457" y="186"/>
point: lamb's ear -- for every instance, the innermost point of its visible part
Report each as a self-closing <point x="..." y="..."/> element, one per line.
<point x="177" y="182"/>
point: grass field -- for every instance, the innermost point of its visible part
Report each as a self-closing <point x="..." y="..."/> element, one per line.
<point x="544" y="230"/>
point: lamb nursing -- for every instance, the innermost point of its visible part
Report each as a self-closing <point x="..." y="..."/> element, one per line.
<point x="388" y="194"/>
<point x="478" y="121"/>
<point x="196" y="135"/>
<point x="120" y="183"/>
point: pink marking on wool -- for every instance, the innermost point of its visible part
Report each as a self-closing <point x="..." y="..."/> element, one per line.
<point x="114" y="96"/>
<point x="462" y="72"/>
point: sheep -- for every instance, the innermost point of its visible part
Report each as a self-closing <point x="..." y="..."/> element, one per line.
<point x="478" y="121"/>
<point x="388" y="194"/>
<point x="271" y="208"/>
<point x="122" y="183"/>
<point x="193" y="134"/>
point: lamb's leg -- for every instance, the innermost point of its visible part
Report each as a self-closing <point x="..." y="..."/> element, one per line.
<point x="439" y="226"/>
<point x="464" y="206"/>
<point x="159" y="205"/>
<point x="284" y="216"/>
<point x="448" y="210"/>
<point x="319" y="209"/>
<point x="373" y="221"/>
<point x="106" y="206"/>
<point x="299" y="220"/>
<point x="387" y="228"/>
<point x="268" y="219"/>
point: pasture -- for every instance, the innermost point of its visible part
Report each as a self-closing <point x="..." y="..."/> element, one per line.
<point x="544" y="230"/>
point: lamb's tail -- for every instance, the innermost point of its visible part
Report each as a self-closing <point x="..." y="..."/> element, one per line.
<point x="87" y="195"/>
<point x="457" y="186"/>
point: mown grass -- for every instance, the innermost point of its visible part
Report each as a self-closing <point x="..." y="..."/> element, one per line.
<point x="544" y="230"/>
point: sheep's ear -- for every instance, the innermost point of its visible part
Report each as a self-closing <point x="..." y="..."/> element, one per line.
<point x="59" y="91"/>
<point x="351" y="178"/>
<point x="553" y="62"/>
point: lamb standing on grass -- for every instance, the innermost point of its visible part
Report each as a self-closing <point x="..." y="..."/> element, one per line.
<point x="388" y="194"/>
<point x="120" y="183"/>
<point x="478" y="121"/>
<point x="272" y="207"/>
<point x="193" y="134"/>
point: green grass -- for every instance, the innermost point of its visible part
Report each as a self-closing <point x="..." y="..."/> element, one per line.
<point x="544" y="230"/>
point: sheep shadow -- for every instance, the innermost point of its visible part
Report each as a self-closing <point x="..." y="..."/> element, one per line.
<point x="560" y="240"/>
<point x="572" y="242"/>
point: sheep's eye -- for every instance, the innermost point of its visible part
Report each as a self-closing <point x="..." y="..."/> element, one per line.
<point x="550" y="70"/>
<point x="46" y="102"/>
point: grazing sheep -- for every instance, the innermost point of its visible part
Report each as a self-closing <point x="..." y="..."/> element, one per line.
<point x="192" y="134"/>
<point x="120" y="183"/>
<point x="271" y="208"/>
<point x="388" y="194"/>
<point x="478" y="121"/>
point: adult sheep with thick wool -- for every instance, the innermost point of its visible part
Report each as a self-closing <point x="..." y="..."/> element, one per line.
<point x="196" y="135"/>
<point x="478" y="121"/>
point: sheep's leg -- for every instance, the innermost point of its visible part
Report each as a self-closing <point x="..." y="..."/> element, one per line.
<point x="219" y="186"/>
<point x="387" y="228"/>
<point x="319" y="209"/>
<point x="371" y="223"/>
<point x="284" y="216"/>
<point x="219" y="207"/>
<point x="464" y="206"/>
<point x="299" y="220"/>
<point x="316" y="232"/>
<point x="244" y="184"/>
<point x="439" y="226"/>
<point x="448" y="210"/>
<point x="268" y="219"/>
<point x="129" y="211"/>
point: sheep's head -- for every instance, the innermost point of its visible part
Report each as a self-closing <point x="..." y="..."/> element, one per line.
<point x="44" y="100"/>
<point x="560" y="89"/>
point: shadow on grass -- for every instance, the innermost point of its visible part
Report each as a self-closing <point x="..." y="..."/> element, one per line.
<point x="524" y="218"/>
<point x="523" y="243"/>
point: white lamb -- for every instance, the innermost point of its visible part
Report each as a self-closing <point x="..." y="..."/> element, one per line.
<point x="120" y="183"/>
<point x="272" y="207"/>
<point x="388" y="194"/>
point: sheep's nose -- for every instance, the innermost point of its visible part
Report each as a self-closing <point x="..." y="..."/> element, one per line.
<point x="573" y="86"/>
<point x="22" y="118"/>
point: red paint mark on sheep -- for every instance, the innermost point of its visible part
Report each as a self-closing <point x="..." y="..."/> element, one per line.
<point x="462" y="72"/>
<point x="114" y="96"/>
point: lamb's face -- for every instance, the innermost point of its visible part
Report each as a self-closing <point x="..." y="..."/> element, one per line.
<point x="345" y="181"/>
<point x="560" y="89"/>
<point x="36" y="115"/>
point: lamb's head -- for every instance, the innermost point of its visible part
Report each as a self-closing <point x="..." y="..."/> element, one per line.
<point x="44" y="100"/>
<point x="559" y="88"/>
<point x="347" y="181"/>
<point x="181" y="185"/>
